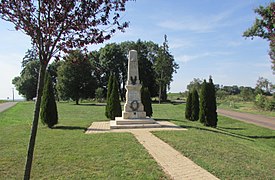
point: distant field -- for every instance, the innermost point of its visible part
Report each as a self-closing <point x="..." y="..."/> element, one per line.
<point x="248" y="107"/>
<point x="2" y="101"/>
<point x="236" y="105"/>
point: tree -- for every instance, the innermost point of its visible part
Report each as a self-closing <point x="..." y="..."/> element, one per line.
<point x="49" y="115"/>
<point x="188" y="107"/>
<point x="114" y="106"/>
<point x="147" y="54"/>
<point x="195" y="105"/>
<point x="196" y="83"/>
<point x="75" y="78"/>
<point x="109" y="92"/>
<point x="113" y="60"/>
<point x="52" y="70"/>
<point x="30" y="55"/>
<point x="26" y="83"/>
<point x="55" y="26"/>
<point x="164" y="66"/>
<point x="208" y="106"/>
<point x="99" y="94"/>
<point x="247" y="94"/>
<point x="264" y="27"/>
<point x="264" y="84"/>
<point x="212" y="117"/>
<point x="203" y="103"/>
<point x="146" y="101"/>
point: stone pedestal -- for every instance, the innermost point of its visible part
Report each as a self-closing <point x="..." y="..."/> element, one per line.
<point x="133" y="115"/>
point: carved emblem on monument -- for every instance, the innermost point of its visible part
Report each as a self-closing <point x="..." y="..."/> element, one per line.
<point x="134" y="105"/>
<point x="133" y="80"/>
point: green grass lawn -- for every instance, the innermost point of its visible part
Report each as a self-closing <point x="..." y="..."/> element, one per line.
<point x="234" y="150"/>
<point x="66" y="152"/>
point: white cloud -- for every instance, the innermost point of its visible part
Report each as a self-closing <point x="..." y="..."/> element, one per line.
<point x="186" y="58"/>
<point x="198" y="24"/>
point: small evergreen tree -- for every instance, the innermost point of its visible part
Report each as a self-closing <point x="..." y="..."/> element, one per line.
<point x="195" y="105"/>
<point x="146" y="101"/>
<point x="109" y="91"/>
<point x="203" y="103"/>
<point x="212" y="118"/>
<point x="188" y="107"/>
<point x="48" y="112"/>
<point x="208" y="105"/>
<point x="114" y="102"/>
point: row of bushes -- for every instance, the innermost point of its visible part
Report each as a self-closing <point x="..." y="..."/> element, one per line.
<point x="264" y="103"/>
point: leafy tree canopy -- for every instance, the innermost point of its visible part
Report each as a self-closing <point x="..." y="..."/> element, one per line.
<point x="75" y="78"/>
<point x="264" y="27"/>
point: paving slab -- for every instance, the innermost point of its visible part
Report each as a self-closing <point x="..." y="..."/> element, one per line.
<point x="173" y="163"/>
<point x="104" y="127"/>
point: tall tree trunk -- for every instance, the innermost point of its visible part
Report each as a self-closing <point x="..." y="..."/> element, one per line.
<point x="159" y="93"/>
<point x="160" y="88"/>
<point x="39" y="92"/>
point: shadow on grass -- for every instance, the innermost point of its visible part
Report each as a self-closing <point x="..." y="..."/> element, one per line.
<point x="90" y="104"/>
<point x="230" y="128"/>
<point x="70" y="128"/>
<point x="220" y="130"/>
<point x="262" y="137"/>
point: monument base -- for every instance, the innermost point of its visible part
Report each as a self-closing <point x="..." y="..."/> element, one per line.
<point x="120" y="123"/>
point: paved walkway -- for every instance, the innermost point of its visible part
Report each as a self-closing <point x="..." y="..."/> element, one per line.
<point x="7" y="105"/>
<point x="173" y="163"/>
<point x="260" y="120"/>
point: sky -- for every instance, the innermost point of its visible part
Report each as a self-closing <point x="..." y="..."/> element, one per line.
<point x="204" y="36"/>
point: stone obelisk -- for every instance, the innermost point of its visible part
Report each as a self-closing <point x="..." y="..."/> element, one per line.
<point x="133" y="115"/>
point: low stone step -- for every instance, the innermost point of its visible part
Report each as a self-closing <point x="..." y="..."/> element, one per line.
<point x="134" y="121"/>
<point x="114" y="125"/>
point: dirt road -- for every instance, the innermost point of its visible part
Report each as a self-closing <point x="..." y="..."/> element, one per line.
<point x="260" y="120"/>
<point x="7" y="105"/>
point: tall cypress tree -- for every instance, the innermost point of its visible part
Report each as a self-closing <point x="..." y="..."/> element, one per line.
<point x="208" y="105"/>
<point x="212" y="118"/>
<point x="195" y="105"/>
<point x="114" y="105"/>
<point x="188" y="107"/>
<point x="48" y="112"/>
<point x="109" y="91"/>
<point x="203" y="103"/>
<point x="146" y="101"/>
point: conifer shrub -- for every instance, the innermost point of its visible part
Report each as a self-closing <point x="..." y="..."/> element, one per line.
<point x="109" y="91"/>
<point x="114" y="107"/>
<point x="208" y="105"/>
<point x="48" y="113"/>
<point x="195" y="105"/>
<point x="146" y="101"/>
<point x="188" y="107"/>
<point x="203" y="102"/>
<point x="212" y="117"/>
